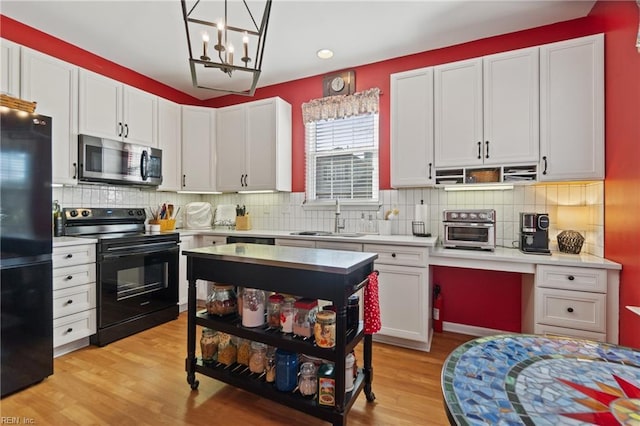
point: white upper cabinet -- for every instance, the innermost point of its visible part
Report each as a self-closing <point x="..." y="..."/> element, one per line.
<point x="170" y="142"/>
<point x="198" y="148"/>
<point x="110" y="109"/>
<point x="53" y="85"/>
<point x="412" y="128"/>
<point x="10" y="68"/>
<point x="254" y="146"/>
<point x="572" y="109"/>
<point x="486" y="110"/>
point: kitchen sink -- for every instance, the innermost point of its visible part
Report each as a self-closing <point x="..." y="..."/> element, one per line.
<point x="328" y="234"/>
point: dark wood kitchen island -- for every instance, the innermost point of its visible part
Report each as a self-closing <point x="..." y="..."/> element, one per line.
<point x="311" y="273"/>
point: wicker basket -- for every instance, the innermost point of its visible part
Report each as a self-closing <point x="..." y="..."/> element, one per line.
<point x="485" y="176"/>
<point x="15" y="103"/>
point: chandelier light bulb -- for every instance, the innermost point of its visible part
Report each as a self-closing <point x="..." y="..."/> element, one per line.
<point x="205" y="42"/>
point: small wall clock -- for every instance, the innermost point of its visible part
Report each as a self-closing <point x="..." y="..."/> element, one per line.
<point x="341" y="83"/>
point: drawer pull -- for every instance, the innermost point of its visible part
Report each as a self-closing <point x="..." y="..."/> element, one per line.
<point x="69" y="330"/>
<point x="393" y="255"/>
<point x="69" y="256"/>
<point x="69" y="277"/>
<point x="570" y="310"/>
<point x="69" y="302"/>
<point x="571" y="278"/>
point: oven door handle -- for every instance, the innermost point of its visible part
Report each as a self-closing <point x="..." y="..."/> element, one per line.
<point x="141" y="248"/>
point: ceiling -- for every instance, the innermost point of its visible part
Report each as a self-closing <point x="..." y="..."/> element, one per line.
<point x="149" y="36"/>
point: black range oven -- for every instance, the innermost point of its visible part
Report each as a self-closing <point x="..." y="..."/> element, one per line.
<point x="137" y="272"/>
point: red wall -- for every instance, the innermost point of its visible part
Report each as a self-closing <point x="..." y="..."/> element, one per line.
<point x="491" y="292"/>
<point x="622" y="183"/>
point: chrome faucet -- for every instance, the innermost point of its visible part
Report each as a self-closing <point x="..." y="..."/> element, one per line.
<point x="337" y="226"/>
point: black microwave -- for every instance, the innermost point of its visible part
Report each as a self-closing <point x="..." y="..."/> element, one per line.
<point x="116" y="162"/>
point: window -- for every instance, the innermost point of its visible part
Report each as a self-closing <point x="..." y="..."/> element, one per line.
<point x="342" y="151"/>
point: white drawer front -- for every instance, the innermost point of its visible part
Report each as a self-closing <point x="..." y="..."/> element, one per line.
<point x="74" y="327"/>
<point x="74" y="275"/>
<point x="212" y="240"/>
<point x="74" y="255"/>
<point x="571" y="309"/>
<point x="334" y="245"/>
<point x="73" y="299"/>
<point x="560" y="331"/>
<point x="583" y="279"/>
<point x="399" y="255"/>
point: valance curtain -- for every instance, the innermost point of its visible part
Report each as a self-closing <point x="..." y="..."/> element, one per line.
<point x="341" y="106"/>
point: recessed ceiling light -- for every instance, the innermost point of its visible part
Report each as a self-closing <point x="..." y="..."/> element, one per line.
<point x="325" y="53"/>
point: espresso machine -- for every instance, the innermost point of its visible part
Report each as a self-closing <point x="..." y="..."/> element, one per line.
<point x="534" y="233"/>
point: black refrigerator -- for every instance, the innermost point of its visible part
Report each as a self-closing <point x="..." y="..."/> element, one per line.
<point x="26" y="298"/>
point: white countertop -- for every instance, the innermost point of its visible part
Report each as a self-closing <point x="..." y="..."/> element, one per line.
<point x="72" y="241"/>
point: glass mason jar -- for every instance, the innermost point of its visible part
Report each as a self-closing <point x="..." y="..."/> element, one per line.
<point x="253" y="307"/>
<point x="227" y="352"/>
<point x="258" y="358"/>
<point x="270" y="365"/>
<point x="325" y="329"/>
<point x="304" y="316"/>
<point x="273" y="310"/>
<point x="286" y="370"/>
<point x="243" y="350"/>
<point x="208" y="344"/>
<point x="286" y="315"/>
<point x="308" y="381"/>
<point x="222" y="300"/>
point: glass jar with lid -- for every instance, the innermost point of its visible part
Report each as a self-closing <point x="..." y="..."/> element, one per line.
<point x="286" y="315"/>
<point x="325" y="329"/>
<point x="222" y="300"/>
<point x="209" y="344"/>
<point x="270" y="365"/>
<point x="308" y="381"/>
<point x="253" y="308"/>
<point x="227" y="352"/>
<point x="273" y="310"/>
<point x="258" y="358"/>
<point x="286" y="370"/>
<point x="304" y="312"/>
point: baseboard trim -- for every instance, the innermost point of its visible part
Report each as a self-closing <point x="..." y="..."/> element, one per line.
<point x="471" y="330"/>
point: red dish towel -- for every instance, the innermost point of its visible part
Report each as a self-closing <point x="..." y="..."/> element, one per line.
<point x="372" y="322"/>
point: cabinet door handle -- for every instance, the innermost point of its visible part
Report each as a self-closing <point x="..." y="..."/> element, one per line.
<point x="69" y="330"/>
<point x="75" y="170"/>
<point x="544" y="158"/>
<point x="430" y="166"/>
<point x="69" y="277"/>
<point x="479" y="150"/>
<point x="393" y="255"/>
<point x="245" y="179"/>
<point x="119" y="128"/>
<point x="241" y="177"/>
<point x="184" y="180"/>
<point x="69" y="302"/>
<point x="486" y="151"/>
<point x="126" y="128"/>
<point x="69" y="256"/>
<point x="571" y="278"/>
<point x="570" y="310"/>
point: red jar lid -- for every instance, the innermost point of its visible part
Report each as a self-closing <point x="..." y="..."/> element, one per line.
<point x="305" y="303"/>
<point x="275" y="298"/>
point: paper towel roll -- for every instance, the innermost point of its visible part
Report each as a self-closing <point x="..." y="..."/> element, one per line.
<point x="421" y="214"/>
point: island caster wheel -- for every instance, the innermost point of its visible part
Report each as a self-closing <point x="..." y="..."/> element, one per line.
<point x="195" y="384"/>
<point x="370" y="397"/>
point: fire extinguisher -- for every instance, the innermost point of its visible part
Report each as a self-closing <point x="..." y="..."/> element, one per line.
<point x="437" y="308"/>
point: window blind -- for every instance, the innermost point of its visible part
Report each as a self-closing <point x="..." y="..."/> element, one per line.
<point x="342" y="158"/>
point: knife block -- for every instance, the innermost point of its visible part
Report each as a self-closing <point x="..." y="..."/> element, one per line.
<point x="243" y="223"/>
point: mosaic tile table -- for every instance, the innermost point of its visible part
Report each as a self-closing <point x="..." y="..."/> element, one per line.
<point x="519" y="379"/>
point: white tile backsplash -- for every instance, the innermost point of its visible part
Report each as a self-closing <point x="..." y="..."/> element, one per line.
<point x="284" y="211"/>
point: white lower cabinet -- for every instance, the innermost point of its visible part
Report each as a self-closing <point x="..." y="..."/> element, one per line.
<point x="186" y="243"/>
<point x="405" y="301"/>
<point x="74" y="297"/>
<point x="571" y="301"/>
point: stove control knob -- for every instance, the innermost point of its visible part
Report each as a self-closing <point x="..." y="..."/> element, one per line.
<point x="454" y="215"/>
<point x="463" y="215"/>
<point x="482" y="215"/>
<point x="85" y="213"/>
<point x="140" y="212"/>
<point x="131" y="213"/>
<point x="73" y="213"/>
<point x="472" y="216"/>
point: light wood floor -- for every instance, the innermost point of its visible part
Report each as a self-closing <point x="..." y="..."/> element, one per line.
<point x="141" y="380"/>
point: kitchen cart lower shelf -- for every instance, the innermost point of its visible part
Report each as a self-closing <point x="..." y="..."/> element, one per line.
<point x="330" y="275"/>
<point x="238" y="375"/>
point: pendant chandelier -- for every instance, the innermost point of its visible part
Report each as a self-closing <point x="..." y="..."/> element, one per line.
<point x="226" y="43"/>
